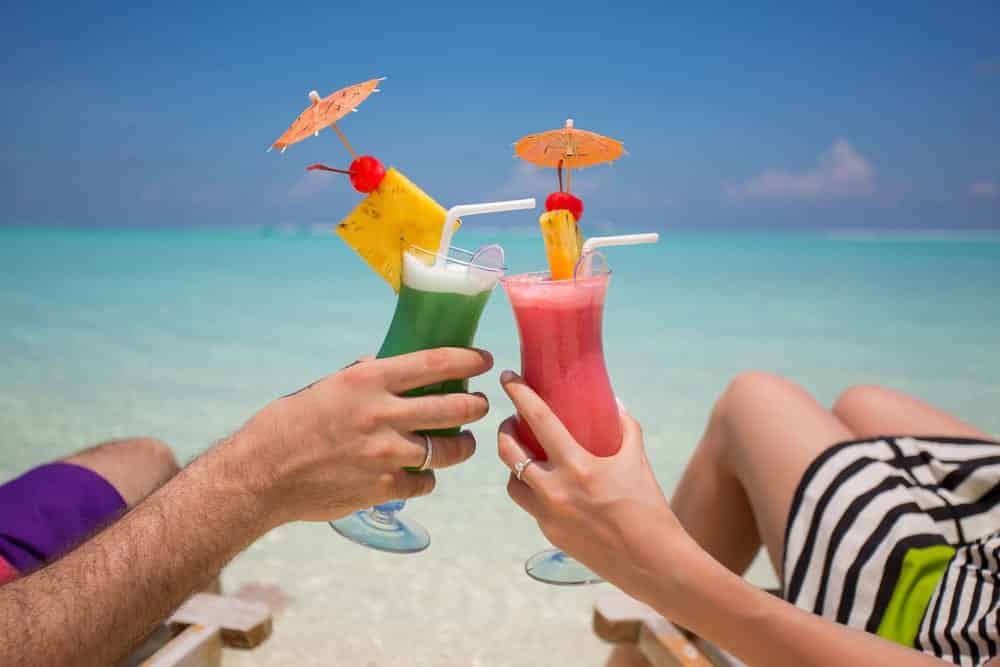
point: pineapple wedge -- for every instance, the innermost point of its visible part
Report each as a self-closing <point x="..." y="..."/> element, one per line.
<point x="563" y="242"/>
<point x="393" y="216"/>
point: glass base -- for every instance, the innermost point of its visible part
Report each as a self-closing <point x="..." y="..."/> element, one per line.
<point x="554" y="567"/>
<point x="383" y="531"/>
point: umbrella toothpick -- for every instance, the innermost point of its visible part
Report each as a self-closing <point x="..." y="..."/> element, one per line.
<point x="343" y="140"/>
<point x="325" y="112"/>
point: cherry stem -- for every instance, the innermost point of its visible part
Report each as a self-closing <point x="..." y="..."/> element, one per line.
<point x="323" y="167"/>
<point x="559" y="171"/>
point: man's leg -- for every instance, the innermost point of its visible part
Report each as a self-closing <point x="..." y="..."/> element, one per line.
<point x="737" y="490"/>
<point x="135" y="466"/>
<point x="50" y="509"/>
<point x="871" y="411"/>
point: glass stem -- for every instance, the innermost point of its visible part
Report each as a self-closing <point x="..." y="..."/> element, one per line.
<point x="384" y="515"/>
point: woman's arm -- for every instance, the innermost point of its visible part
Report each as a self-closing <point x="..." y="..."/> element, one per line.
<point x="698" y="593"/>
<point x="611" y="514"/>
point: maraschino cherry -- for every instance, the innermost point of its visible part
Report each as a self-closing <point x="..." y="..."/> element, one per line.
<point x="366" y="172"/>
<point x="564" y="200"/>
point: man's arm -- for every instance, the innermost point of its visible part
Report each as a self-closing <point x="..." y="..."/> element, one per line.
<point x="335" y="447"/>
<point x="93" y="605"/>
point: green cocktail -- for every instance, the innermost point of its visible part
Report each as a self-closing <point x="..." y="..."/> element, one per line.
<point x="427" y="319"/>
<point x="440" y="302"/>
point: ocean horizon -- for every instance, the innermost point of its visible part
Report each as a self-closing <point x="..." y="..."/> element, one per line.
<point x="183" y="333"/>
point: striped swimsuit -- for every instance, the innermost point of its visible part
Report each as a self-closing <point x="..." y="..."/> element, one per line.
<point x="901" y="537"/>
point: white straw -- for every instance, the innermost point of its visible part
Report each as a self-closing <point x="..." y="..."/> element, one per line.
<point x="625" y="239"/>
<point x="463" y="210"/>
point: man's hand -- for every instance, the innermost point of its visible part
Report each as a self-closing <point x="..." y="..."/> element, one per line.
<point x="341" y="444"/>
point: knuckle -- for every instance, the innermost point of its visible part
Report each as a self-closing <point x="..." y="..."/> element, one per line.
<point x="366" y="421"/>
<point x="536" y="414"/>
<point x="469" y="407"/>
<point x="438" y="359"/>
<point x="585" y="476"/>
<point x="359" y="375"/>
<point x="381" y="452"/>
<point x="557" y="500"/>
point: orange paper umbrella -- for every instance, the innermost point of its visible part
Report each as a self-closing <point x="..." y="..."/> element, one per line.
<point x="326" y="112"/>
<point x="568" y="147"/>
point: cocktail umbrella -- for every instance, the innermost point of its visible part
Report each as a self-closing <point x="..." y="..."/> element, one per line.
<point x="326" y="112"/>
<point x="568" y="147"/>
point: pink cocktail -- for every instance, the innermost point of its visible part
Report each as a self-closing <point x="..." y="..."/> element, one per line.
<point x="562" y="360"/>
<point x="562" y="357"/>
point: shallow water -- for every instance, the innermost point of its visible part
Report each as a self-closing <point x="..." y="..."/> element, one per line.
<point x="182" y="335"/>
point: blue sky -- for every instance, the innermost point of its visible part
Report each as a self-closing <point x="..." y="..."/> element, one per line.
<point x="762" y="116"/>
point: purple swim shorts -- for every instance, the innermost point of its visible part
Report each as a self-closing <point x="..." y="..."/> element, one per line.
<point x="50" y="509"/>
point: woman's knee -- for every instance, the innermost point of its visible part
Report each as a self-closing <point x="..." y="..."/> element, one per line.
<point x="754" y="389"/>
<point x="763" y="415"/>
<point x="858" y="400"/>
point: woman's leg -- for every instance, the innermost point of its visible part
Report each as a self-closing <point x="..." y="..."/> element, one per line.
<point x="871" y="411"/>
<point x="737" y="490"/>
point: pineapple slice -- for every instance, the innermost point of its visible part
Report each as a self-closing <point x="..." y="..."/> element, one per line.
<point x="395" y="215"/>
<point x="563" y="242"/>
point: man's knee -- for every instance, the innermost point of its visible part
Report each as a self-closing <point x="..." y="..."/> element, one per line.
<point x="134" y="466"/>
<point x="858" y="399"/>
<point x="157" y="454"/>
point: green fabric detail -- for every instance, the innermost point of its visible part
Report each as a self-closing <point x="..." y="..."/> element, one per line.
<point x="922" y="570"/>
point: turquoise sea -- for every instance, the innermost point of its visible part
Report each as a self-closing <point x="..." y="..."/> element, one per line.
<point x="182" y="335"/>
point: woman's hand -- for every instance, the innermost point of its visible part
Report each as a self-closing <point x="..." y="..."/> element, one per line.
<point x="342" y="443"/>
<point x="601" y="510"/>
<point x="610" y="514"/>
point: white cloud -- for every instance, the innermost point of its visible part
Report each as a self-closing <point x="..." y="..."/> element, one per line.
<point x="311" y="183"/>
<point x="527" y="179"/>
<point x="984" y="190"/>
<point x="839" y="172"/>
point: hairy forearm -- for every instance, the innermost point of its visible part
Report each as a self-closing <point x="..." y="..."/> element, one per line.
<point x="93" y="605"/>
<point x="759" y="628"/>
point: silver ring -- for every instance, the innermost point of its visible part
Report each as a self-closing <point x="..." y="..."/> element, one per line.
<point x="520" y="466"/>
<point x="429" y="446"/>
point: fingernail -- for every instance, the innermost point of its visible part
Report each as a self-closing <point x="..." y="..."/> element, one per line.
<point x="507" y="376"/>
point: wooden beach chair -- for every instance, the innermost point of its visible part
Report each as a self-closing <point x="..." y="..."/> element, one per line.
<point x="622" y="620"/>
<point x="196" y="634"/>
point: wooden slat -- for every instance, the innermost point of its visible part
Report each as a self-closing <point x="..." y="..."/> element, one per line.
<point x="242" y="623"/>
<point x="196" y="646"/>
<point x="620" y="619"/>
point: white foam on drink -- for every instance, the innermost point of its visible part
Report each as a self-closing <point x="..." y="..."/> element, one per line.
<point x="538" y="291"/>
<point x="449" y="278"/>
